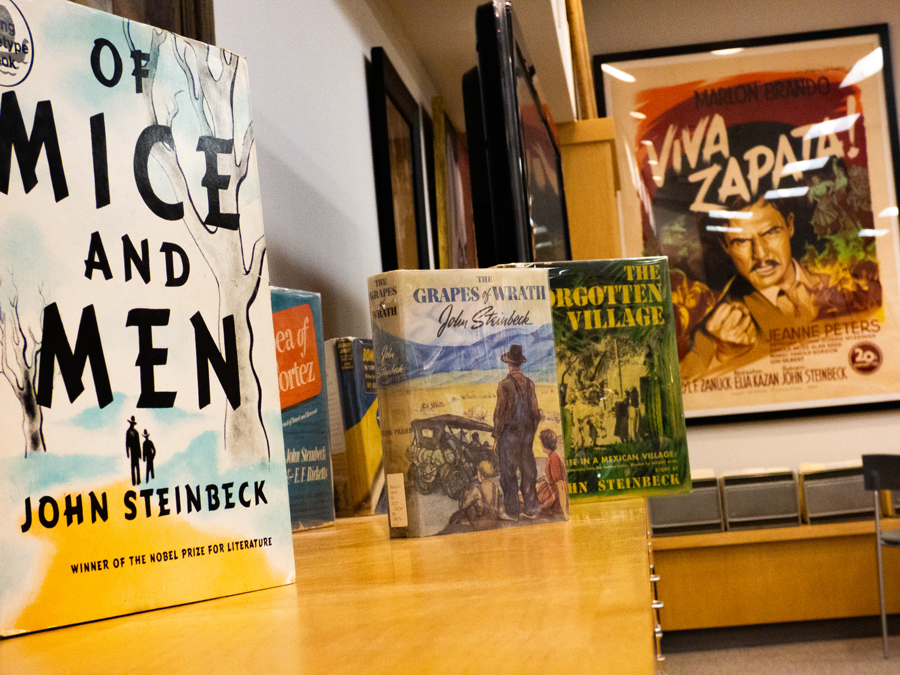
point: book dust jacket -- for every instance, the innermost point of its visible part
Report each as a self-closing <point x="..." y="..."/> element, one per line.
<point x="619" y="384"/>
<point x="299" y="349"/>
<point x="141" y="459"/>
<point x="467" y="393"/>
<point x="355" y="435"/>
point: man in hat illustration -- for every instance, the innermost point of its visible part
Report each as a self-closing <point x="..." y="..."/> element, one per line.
<point x="516" y="418"/>
<point x="149" y="454"/>
<point x="133" y="450"/>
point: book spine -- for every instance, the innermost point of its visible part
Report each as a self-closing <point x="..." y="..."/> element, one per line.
<point x="386" y="314"/>
<point x="347" y="357"/>
<point x="336" y="427"/>
<point x="367" y="434"/>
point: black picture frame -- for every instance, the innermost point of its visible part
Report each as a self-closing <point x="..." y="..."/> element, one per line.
<point x="396" y="127"/>
<point x="479" y="176"/>
<point x="431" y="183"/>
<point x="823" y="95"/>
<point x="530" y="221"/>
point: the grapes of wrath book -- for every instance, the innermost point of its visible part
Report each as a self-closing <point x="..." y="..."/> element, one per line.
<point x="299" y="349"/>
<point x="467" y="395"/>
<point x="619" y="384"/>
<point x="141" y="459"/>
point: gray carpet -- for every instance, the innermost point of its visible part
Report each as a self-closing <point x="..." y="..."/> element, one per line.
<point x="856" y="656"/>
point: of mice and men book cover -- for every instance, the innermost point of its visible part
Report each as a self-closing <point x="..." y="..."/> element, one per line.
<point x="141" y="459"/>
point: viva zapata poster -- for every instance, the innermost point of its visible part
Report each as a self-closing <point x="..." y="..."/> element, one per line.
<point x="765" y="175"/>
<point x="141" y="457"/>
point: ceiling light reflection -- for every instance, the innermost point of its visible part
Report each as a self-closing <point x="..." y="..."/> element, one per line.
<point x="722" y="228"/>
<point x="865" y="67"/>
<point x="616" y="73"/>
<point x="831" y="126"/>
<point x="731" y="215"/>
<point x="872" y="233"/>
<point x="781" y="193"/>
<point x="726" y="52"/>
<point x="889" y="211"/>
<point x="805" y="165"/>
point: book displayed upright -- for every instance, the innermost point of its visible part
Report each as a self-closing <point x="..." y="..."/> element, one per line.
<point x="470" y="418"/>
<point x="619" y="384"/>
<point x="299" y="349"/>
<point x="355" y="435"/>
<point x="141" y="459"/>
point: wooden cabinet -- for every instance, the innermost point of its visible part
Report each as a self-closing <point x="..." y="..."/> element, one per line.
<point x="771" y="576"/>
<point x="591" y="181"/>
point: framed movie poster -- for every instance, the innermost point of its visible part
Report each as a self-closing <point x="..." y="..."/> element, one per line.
<point x="764" y="170"/>
<point x="455" y="227"/>
<point x="396" y="125"/>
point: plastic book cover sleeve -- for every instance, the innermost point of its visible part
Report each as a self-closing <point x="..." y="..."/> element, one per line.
<point x="299" y="350"/>
<point x="468" y="399"/>
<point x="142" y="461"/>
<point x="358" y="473"/>
<point x="619" y="383"/>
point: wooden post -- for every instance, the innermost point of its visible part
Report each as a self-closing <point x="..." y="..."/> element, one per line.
<point x="581" y="62"/>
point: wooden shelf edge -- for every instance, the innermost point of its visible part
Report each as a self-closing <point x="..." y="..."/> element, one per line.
<point x="739" y="537"/>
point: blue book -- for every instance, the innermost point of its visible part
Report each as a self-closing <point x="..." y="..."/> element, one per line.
<point x="355" y="434"/>
<point x="297" y="318"/>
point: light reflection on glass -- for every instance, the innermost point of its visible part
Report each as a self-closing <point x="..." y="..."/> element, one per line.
<point x="866" y="67"/>
<point x="786" y="192"/>
<point x="616" y="73"/>
<point x="731" y="215"/>
<point x="805" y="165"/>
<point x="831" y="126"/>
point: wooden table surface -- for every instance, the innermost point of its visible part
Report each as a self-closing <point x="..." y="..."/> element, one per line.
<point x="555" y="598"/>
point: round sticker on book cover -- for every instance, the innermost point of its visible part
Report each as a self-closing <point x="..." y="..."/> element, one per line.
<point x="16" y="48"/>
<point x="865" y="358"/>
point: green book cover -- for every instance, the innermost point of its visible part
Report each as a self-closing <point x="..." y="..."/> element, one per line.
<point x="619" y="383"/>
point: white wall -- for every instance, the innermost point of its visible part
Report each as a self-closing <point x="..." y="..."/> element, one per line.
<point x="625" y="25"/>
<point x="311" y="119"/>
<point x="314" y="149"/>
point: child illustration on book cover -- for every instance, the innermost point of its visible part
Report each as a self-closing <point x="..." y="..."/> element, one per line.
<point x="466" y="383"/>
<point x="623" y="425"/>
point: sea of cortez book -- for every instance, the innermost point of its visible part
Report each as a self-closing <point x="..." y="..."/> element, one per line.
<point x="299" y="348"/>
<point x="467" y="392"/>
<point x="141" y="459"/>
<point x="619" y="383"/>
<point x="355" y="435"/>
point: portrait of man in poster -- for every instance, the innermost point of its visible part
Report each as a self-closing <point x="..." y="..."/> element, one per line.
<point x="771" y="290"/>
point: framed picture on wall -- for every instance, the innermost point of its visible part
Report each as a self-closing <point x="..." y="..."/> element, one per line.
<point x="430" y="181"/>
<point x="455" y="227"/>
<point x="396" y="125"/>
<point x="529" y="215"/>
<point x="764" y="170"/>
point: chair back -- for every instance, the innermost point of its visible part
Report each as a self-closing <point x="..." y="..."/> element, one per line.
<point x="881" y="472"/>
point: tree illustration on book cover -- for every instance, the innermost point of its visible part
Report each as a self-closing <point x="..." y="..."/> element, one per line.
<point x="131" y="247"/>
<point x="468" y="400"/>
